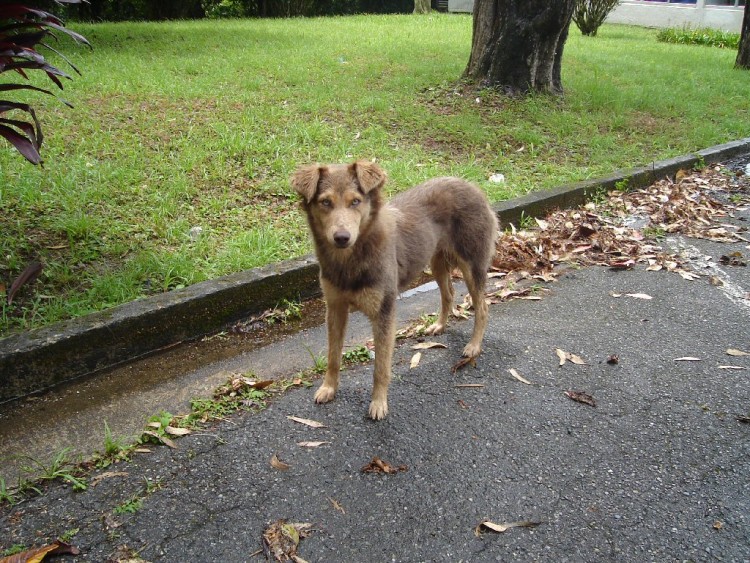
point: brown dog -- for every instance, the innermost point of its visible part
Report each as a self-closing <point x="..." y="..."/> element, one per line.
<point x="369" y="251"/>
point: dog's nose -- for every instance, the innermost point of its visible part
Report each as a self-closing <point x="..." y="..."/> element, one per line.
<point x="341" y="238"/>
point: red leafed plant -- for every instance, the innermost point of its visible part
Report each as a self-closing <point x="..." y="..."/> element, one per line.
<point x="22" y="29"/>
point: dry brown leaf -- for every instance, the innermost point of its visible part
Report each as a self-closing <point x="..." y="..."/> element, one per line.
<point x="469" y="385"/>
<point x="732" y="367"/>
<point x="415" y="360"/>
<point x="276" y="463"/>
<point x="518" y="376"/>
<point x="567" y="356"/>
<point x="501" y="528"/>
<point x="428" y="345"/>
<point x="462" y="363"/>
<point x="281" y="539"/>
<point x="639" y="296"/>
<point x="377" y="465"/>
<point x="613" y="359"/>
<point x="176" y="431"/>
<point x="311" y="444"/>
<point x="37" y="554"/>
<point x="687" y="359"/>
<point x="160" y="438"/>
<point x="336" y="505"/>
<point x="562" y="355"/>
<point x="735" y="352"/>
<point x="307" y="422"/>
<point x="578" y="360"/>
<point x="581" y="397"/>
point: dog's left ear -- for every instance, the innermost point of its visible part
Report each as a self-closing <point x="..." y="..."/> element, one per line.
<point x="305" y="181"/>
<point x="370" y="175"/>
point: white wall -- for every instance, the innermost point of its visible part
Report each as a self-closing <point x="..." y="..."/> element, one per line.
<point x="657" y="14"/>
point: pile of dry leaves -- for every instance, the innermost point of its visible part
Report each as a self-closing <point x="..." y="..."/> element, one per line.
<point x="624" y="229"/>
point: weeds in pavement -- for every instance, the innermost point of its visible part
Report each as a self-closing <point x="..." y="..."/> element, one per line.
<point x="357" y="355"/>
<point x="61" y="467"/>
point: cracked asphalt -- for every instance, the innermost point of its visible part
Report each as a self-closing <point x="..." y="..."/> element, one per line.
<point x="659" y="470"/>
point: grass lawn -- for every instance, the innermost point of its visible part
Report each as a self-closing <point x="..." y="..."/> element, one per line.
<point x="182" y="127"/>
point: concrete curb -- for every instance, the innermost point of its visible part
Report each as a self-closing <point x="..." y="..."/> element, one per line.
<point x="36" y="360"/>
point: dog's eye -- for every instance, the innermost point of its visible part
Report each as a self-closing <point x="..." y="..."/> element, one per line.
<point x="325" y="202"/>
<point x="355" y="202"/>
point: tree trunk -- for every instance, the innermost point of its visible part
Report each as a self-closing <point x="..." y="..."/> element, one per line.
<point x="421" y="6"/>
<point x="743" y="53"/>
<point x="517" y="45"/>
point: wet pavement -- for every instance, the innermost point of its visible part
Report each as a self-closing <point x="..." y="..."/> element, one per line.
<point x="658" y="470"/>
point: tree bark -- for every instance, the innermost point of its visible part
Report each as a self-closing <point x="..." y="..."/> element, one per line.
<point x="743" y="53"/>
<point x="421" y="6"/>
<point x="517" y="45"/>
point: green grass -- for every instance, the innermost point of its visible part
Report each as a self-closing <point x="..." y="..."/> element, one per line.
<point x="700" y="36"/>
<point x="200" y="124"/>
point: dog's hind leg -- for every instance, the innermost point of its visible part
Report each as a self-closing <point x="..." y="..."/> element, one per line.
<point x="384" y="331"/>
<point x="476" y="280"/>
<point x="441" y="269"/>
<point x="337" y="315"/>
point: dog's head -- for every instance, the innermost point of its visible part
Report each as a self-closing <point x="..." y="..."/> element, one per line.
<point x="340" y="200"/>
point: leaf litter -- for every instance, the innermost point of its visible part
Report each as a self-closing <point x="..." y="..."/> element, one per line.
<point x="281" y="540"/>
<point x="377" y="465"/>
<point x="502" y="528"/>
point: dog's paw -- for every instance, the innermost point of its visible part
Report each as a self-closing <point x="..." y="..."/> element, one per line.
<point x="378" y="409"/>
<point x="324" y="394"/>
<point x="435" y="329"/>
<point x="472" y="350"/>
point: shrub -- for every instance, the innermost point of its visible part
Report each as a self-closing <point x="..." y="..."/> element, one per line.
<point x="589" y="15"/>
<point x="700" y="36"/>
<point x="21" y="29"/>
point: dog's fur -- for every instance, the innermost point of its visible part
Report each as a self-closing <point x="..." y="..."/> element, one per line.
<point x="369" y="251"/>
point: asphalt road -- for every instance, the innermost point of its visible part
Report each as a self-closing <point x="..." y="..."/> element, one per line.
<point x="658" y="470"/>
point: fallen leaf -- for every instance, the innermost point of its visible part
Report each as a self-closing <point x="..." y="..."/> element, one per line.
<point x="415" y="360"/>
<point x="29" y="274"/>
<point x="377" y="465"/>
<point x="428" y="345"/>
<point x="581" y="397"/>
<point x="718" y="525"/>
<point x="562" y="355"/>
<point x="175" y="431"/>
<point x="567" y="356"/>
<point x="307" y="422"/>
<point x="311" y="444"/>
<point x="336" y="505"/>
<point x="462" y="404"/>
<point x="142" y="450"/>
<point x="462" y="363"/>
<point x="154" y="424"/>
<point x="687" y="359"/>
<point x="518" y="376"/>
<point x="469" y="385"/>
<point x="732" y="367"/>
<point x="734" y="352"/>
<point x="281" y="539"/>
<point x="37" y="554"/>
<point x="159" y="438"/>
<point x="639" y="296"/>
<point x="743" y="419"/>
<point x="613" y="359"/>
<point x="276" y="463"/>
<point x="501" y="528"/>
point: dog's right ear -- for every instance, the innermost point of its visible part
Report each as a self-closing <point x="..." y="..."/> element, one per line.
<point x="305" y="181"/>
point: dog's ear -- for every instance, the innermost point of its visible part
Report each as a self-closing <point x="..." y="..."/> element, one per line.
<point x="370" y="175"/>
<point x="305" y="181"/>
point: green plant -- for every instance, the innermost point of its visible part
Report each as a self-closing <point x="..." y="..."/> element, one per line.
<point x="622" y="185"/>
<point x="22" y="28"/>
<point x="130" y="506"/>
<point x="700" y="36"/>
<point x="68" y="535"/>
<point x="589" y="15"/>
<point x="61" y="467"/>
<point x="526" y="221"/>
<point x="357" y="355"/>
<point x="320" y="362"/>
<point x="6" y="496"/>
<point x="285" y="311"/>
<point x="113" y="447"/>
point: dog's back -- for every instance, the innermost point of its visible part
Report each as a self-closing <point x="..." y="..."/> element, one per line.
<point x="446" y="216"/>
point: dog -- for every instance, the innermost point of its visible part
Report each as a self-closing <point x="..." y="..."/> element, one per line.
<point x="370" y="250"/>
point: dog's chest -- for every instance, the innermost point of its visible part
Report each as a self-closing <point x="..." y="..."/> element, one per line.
<point x="367" y="300"/>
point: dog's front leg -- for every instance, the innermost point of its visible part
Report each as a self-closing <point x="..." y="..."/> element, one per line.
<point x="337" y="315"/>
<point x="384" y="331"/>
